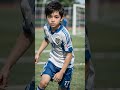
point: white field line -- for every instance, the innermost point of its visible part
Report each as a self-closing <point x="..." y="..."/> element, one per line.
<point x="76" y="64"/>
<point x="75" y="49"/>
<point x="31" y="59"/>
<point x="96" y="55"/>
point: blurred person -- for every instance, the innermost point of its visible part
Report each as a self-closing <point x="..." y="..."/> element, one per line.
<point x="23" y="42"/>
<point x="89" y="70"/>
<point x="65" y="21"/>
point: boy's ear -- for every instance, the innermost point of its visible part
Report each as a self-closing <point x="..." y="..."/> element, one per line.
<point x="61" y="19"/>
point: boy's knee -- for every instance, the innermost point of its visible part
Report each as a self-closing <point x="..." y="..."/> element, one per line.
<point x="43" y="84"/>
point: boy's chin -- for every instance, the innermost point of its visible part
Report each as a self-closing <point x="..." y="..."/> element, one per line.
<point x="53" y="27"/>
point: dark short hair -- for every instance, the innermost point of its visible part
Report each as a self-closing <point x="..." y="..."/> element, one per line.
<point x="54" y="6"/>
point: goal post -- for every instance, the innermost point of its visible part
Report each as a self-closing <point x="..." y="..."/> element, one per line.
<point x="78" y="14"/>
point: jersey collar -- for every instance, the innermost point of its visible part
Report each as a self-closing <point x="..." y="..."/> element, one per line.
<point x="57" y="30"/>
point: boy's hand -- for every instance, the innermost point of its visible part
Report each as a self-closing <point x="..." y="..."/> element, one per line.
<point x="4" y="78"/>
<point x="58" y="76"/>
<point x="36" y="58"/>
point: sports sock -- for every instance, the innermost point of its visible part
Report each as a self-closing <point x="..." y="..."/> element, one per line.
<point x="38" y="88"/>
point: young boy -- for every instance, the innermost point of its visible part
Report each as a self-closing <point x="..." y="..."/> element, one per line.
<point x="60" y="62"/>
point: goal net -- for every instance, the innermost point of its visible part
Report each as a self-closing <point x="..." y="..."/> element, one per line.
<point x="78" y="24"/>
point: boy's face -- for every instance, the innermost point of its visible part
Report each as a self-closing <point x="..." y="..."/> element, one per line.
<point x="54" y="19"/>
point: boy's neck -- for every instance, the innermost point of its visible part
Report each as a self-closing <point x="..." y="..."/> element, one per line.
<point x="54" y="29"/>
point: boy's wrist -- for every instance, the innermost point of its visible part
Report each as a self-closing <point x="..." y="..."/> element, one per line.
<point x="62" y="71"/>
<point x="38" y="53"/>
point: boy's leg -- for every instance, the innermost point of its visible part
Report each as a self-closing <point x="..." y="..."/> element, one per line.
<point x="44" y="81"/>
<point x="47" y="74"/>
<point x="64" y="84"/>
<point x="89" y="81"/>
<point x="31" y="85"/>
<point x="87" y="64"/>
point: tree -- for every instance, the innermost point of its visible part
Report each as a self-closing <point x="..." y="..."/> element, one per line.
<point x="64" y="2"/>
<point x="67" y="2"/>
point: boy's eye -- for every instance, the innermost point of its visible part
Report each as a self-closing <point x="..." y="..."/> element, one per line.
<point x="53" y="16"/>
<point x="56" y="17"/>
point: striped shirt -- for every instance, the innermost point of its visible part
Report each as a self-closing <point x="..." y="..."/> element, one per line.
<point x="61" y="44"/>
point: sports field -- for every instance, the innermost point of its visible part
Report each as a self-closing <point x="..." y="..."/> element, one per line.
<point x="78" y="79"/>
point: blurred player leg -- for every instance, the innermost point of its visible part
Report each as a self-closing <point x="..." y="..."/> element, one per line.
<point x="89" y="70"/>
<point x="28" y="12"/>
<point x="30" y="86"/>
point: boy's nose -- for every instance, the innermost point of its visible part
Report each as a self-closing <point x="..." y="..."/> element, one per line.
<point x="52" y="19"/>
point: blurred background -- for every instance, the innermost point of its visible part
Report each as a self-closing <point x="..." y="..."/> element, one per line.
<point x="40" y="18"/>
<point x="103" y="22"/>
<point x="10" y="29"/>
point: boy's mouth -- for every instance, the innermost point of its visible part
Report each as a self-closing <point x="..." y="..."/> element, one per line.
<point x="52" y="24"/>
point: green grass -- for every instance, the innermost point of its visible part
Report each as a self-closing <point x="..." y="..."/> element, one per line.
<point x="78" y="78"/>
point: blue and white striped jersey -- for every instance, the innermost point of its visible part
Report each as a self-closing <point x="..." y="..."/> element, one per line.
<point x="61" y="44"/>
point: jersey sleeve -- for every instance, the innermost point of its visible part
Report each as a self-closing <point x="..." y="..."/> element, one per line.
<point x="67" y="43"/>
<point x="45" y="32"/>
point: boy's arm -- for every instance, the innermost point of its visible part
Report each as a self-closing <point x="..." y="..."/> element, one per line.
<point x="58" y="76"/>
<point x="42" y="47"/>
<point x="66" y="63"/>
